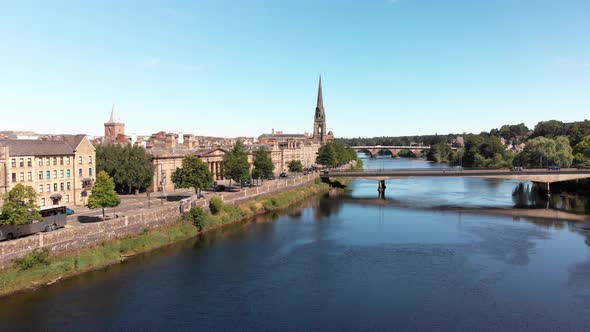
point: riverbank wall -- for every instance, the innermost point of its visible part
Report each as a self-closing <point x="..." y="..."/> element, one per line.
<point x="91" y="234"/>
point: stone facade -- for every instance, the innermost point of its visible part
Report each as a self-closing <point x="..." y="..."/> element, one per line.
<point x="114" y="129"/>
<point x="61" y="169"/>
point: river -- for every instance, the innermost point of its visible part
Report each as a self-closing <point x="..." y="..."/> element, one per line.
<point x="344" y="263"/>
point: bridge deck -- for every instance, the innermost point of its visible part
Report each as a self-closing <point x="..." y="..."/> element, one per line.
<point x="535" y="175"/>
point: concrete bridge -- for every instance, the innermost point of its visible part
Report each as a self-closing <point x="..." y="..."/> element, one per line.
<point x="373" y="151"/>
<point x="533" y="175"/>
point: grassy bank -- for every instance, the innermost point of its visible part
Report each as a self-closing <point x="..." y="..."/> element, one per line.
<point x="37" y="269"/>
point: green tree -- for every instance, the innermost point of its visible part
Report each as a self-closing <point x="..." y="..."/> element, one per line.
<point x="235" y="164"/>
<point x="326" y="156"/>
<point x="103" y="193"/>
<point x="20" y="206"/>
<point x="440" y="153"/>
<point x="130" y="167"/>
<point x="543" y="151"/>
<point x="549" y="129"/>
<point x="578" y="132"/>
<point x="295" y="166"/>
<point x="263" y="165"/>
<point x="582" y="152"/>
<point x="198" y="217"/>
<point x="194" y="173"/>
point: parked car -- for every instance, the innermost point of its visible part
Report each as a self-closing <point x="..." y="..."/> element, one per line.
<point x="517" y="169"/>
<point x="284" y="174"/>
<point x="247" y="183"/>
<point x="553" y="168"/>
<point x="69" y="211"/>
<point x="219" y="187"/>
<point x="232" y="189"/>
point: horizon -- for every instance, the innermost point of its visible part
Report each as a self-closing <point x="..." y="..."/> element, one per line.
<point x="389" y="68"/>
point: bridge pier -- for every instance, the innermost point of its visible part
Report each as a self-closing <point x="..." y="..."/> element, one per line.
<point x="381" y="188"/>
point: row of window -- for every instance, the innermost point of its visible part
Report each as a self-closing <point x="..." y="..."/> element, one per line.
<point x="66" y="198"/>
<point x="56" y="160"/>
<point x="67" y="186"/>
<point x="21" y="175"/>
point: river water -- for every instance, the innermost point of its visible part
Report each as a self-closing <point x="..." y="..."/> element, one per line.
<point x="351" y="262"/>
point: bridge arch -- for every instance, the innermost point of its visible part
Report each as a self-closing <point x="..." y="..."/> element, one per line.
<point x="366" y="152"/>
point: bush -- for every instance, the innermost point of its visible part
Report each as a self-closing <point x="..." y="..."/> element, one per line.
<point x="35" y="258"/>
<point x="198" y="217"/>
<point x="216" y="205"/>
<point x="318" y="180"/>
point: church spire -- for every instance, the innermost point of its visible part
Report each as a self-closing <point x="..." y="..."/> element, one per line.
<point x="320" y="104"/>
<point x="114" y="115"/>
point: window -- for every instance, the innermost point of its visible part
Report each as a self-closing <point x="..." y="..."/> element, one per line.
<point x="61" y="173"/>
<point x="68" y="186"/>
<point x="80" y="160"/>
<point x="30" y="176"/>
<point x="13" y="162"/>
<point x="80" y="172"/>
<point x="21" y="176"/>
<point x="90" y="159"/>
<point x="29" y="162"/>
<point x="55" y="174"/>
<point x="48" y="188"/>
<point x="61" y="186"/>
<point x="42" y="201"/>
<point x="90" y="171"/>
<point x="13" y="177"/>
<point x="47" y="161"/>
<point x="48" y="175"/>
<point x="40" y="188"/>
<point x="54" y="161"/>
<point x="67" y="198"/>
<point x="40" y="175"/>
<point x="21" y="162"/>
<point x="40" y="160"/>
<point x="55" y="187"/>
<point x="61" y="160"/>
<point x="68" y="172"/>
<point x="67" y="160"/>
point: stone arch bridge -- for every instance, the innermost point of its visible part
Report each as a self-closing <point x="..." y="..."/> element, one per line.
<point x="374" y="151"/>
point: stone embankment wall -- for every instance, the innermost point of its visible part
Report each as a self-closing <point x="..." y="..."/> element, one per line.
<point x="87" y="235"/>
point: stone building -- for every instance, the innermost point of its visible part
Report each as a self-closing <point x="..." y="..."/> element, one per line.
<point x="61" y="169"/>
<point x="114" y="129"/>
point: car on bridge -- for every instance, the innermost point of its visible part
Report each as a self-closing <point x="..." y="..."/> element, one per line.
<point x="517" y="169"/>
<point x="553" y="168"/>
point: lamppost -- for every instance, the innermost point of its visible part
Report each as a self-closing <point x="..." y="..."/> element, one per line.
<point x="162" y="184"/>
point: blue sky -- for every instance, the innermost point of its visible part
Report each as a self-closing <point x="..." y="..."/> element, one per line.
<point x="240" y="68"/>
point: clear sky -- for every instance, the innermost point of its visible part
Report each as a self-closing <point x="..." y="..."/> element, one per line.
<point x="243" y="67"/>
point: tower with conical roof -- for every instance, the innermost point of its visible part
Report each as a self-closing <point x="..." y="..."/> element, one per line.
<point x="319" y="121"/>
<point x="114" y="129"/>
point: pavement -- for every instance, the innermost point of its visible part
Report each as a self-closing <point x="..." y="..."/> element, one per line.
<point x="131" y="202"/>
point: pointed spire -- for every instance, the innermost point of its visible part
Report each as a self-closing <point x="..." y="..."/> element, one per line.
<point x="320" y="97"/>
<point x="114" y="115"/>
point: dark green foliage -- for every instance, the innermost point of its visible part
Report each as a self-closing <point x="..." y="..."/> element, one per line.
<point x="440" y="153"/>
<point x="511" y="132"/>
<point x="103" y="193"/>
<point x="543" y="152"/>
<point x="216" y="205"/>
<point x="582" y="152"/>
<point x="198" y="217"/>
<point x="578" y="131"/>
<point x="295" y="166"/>
<point x="20" y="206"/>
<point x="549" y="129"/>
<point x="334" y="154"/>
<point x="194" y="173"/>
<point x="35" y="258"/>
<point x="130" y="166"/>
<point x="235" y="164"/>
<point x="406" y="154"/>
<point x="263" y="165"/>
<point x="485" y="151"/>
